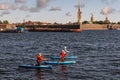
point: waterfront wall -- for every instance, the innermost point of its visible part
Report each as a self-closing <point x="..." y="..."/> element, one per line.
<point x="116" y="26"/>
<point x="94" y="27"/>
<point x="58" y="26"/>
<point x="83" y="27"/>
<point x="7" y="27"/>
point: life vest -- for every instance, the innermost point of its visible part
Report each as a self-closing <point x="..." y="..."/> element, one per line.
<point x="39" y="58"/>
<point x="63" y="53"/>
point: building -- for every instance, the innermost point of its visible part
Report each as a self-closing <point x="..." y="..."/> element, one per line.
<point x="7" y="27"/>
<point x="107" y="20"/>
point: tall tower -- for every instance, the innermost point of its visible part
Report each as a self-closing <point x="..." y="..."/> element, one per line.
<point x="92" y="19"/>
<point x="79" y="13"/>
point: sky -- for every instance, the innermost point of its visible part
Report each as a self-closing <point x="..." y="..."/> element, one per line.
<point x="60" y="11"/>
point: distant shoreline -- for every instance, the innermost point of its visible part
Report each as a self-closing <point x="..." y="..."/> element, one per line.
<point x="59" y="28"/>
<point x="99" y="27"/>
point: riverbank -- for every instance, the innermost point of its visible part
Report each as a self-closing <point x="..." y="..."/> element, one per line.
<point x="59" y="28"/>
<point x="93" y="27"/>
<point x="99" y="27"/>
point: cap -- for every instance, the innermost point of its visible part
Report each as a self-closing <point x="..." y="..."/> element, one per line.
<point x="40" y="54"/>
<point x="65" y="47"/>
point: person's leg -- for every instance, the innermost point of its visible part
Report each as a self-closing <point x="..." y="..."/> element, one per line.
<point x="38" y="63"/>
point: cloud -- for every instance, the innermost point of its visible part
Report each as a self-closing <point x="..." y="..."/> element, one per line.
<point x="82" y="6"/>
<point x="27" y="16"/>
<point x="107" y="10"/>
<point x="24" y="8"/>
<point x="103" y="0"/>
<point x="40" y="4"/>
<point x="5" y="12"/>
<point x="14" y="6"/>
<point x="1" y="15"/>
<point x="34" y="9"/>
<point x="68" y="14"/>
<point x="55" y="8"/>
<point x="109" y="1"/>
<point x="20" y="1"/>
<point x="4" y="6"/>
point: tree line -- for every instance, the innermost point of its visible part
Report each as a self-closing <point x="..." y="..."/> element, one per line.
<point x="84" y="22"/>
<point x="99" y="22"/>
<point x="4" y="22"/>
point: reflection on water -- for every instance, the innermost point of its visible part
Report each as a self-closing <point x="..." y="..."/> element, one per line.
<point x="63" y="68"/>
<point x="40" y="74"/>
<point x="64" y="72"/>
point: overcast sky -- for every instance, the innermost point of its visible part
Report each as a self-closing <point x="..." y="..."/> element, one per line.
<point x="60" y="11"/>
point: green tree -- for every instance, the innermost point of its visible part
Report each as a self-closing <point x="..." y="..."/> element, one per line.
<point x="55" y="23"/>
<point x="23" y="25"/>
<point x="85" y="22"/>
<point x="39" y="23"/>
<point x="75" y="22"/>
<point x="118" y="22"/>
<point x="0" y="22"/>
<point x="99" y="22"/>
<point x="5" y="22"/>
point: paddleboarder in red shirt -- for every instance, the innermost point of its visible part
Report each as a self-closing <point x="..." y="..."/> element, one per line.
<point x="40" y="58"/>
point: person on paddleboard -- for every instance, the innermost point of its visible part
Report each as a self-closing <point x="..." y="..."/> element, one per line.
<point x="63" y="53"/>
<point x="39" y="58"/>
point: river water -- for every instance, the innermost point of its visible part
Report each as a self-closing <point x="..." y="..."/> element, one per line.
<point x="98" y="55"/>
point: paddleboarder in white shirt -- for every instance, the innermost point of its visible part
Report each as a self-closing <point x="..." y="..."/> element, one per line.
<point x="63" y="53"/>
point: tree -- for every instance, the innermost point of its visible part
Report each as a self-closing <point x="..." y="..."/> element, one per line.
<point x="85" y="22"/>
<point x="118" y="22"/>
<point x="99" y="22"/>
<point x="5" y="22"/>
<point x="39" y="23"/>
<point x="23" y="25"/>
<point x="75" y="22"/>
<point x="55" y="23"/>
<point x="0" y="22"/>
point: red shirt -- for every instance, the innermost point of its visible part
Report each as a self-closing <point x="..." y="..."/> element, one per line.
<point x="40" y="58"/>
<point x="62" y="54"/>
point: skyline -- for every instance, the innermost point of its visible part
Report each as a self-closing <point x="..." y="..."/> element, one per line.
<point x="58" y="10"/>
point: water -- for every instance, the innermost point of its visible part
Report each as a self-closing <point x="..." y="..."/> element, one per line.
<point x="98" y="55"/>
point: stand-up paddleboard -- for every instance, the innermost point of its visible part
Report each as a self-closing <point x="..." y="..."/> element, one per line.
<point x="67" y="57"/>
<point x="36" y="67"/>
<point x="59" y="62"/>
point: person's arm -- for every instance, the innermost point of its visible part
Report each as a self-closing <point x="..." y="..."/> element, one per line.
<point x="66" y="50"/>
<point x="43" y="58"/>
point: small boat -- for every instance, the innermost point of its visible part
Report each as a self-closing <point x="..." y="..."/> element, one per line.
<point x="67" y="57"/>
<point x="36" y="67"/>
<point x="60" y="62"/>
